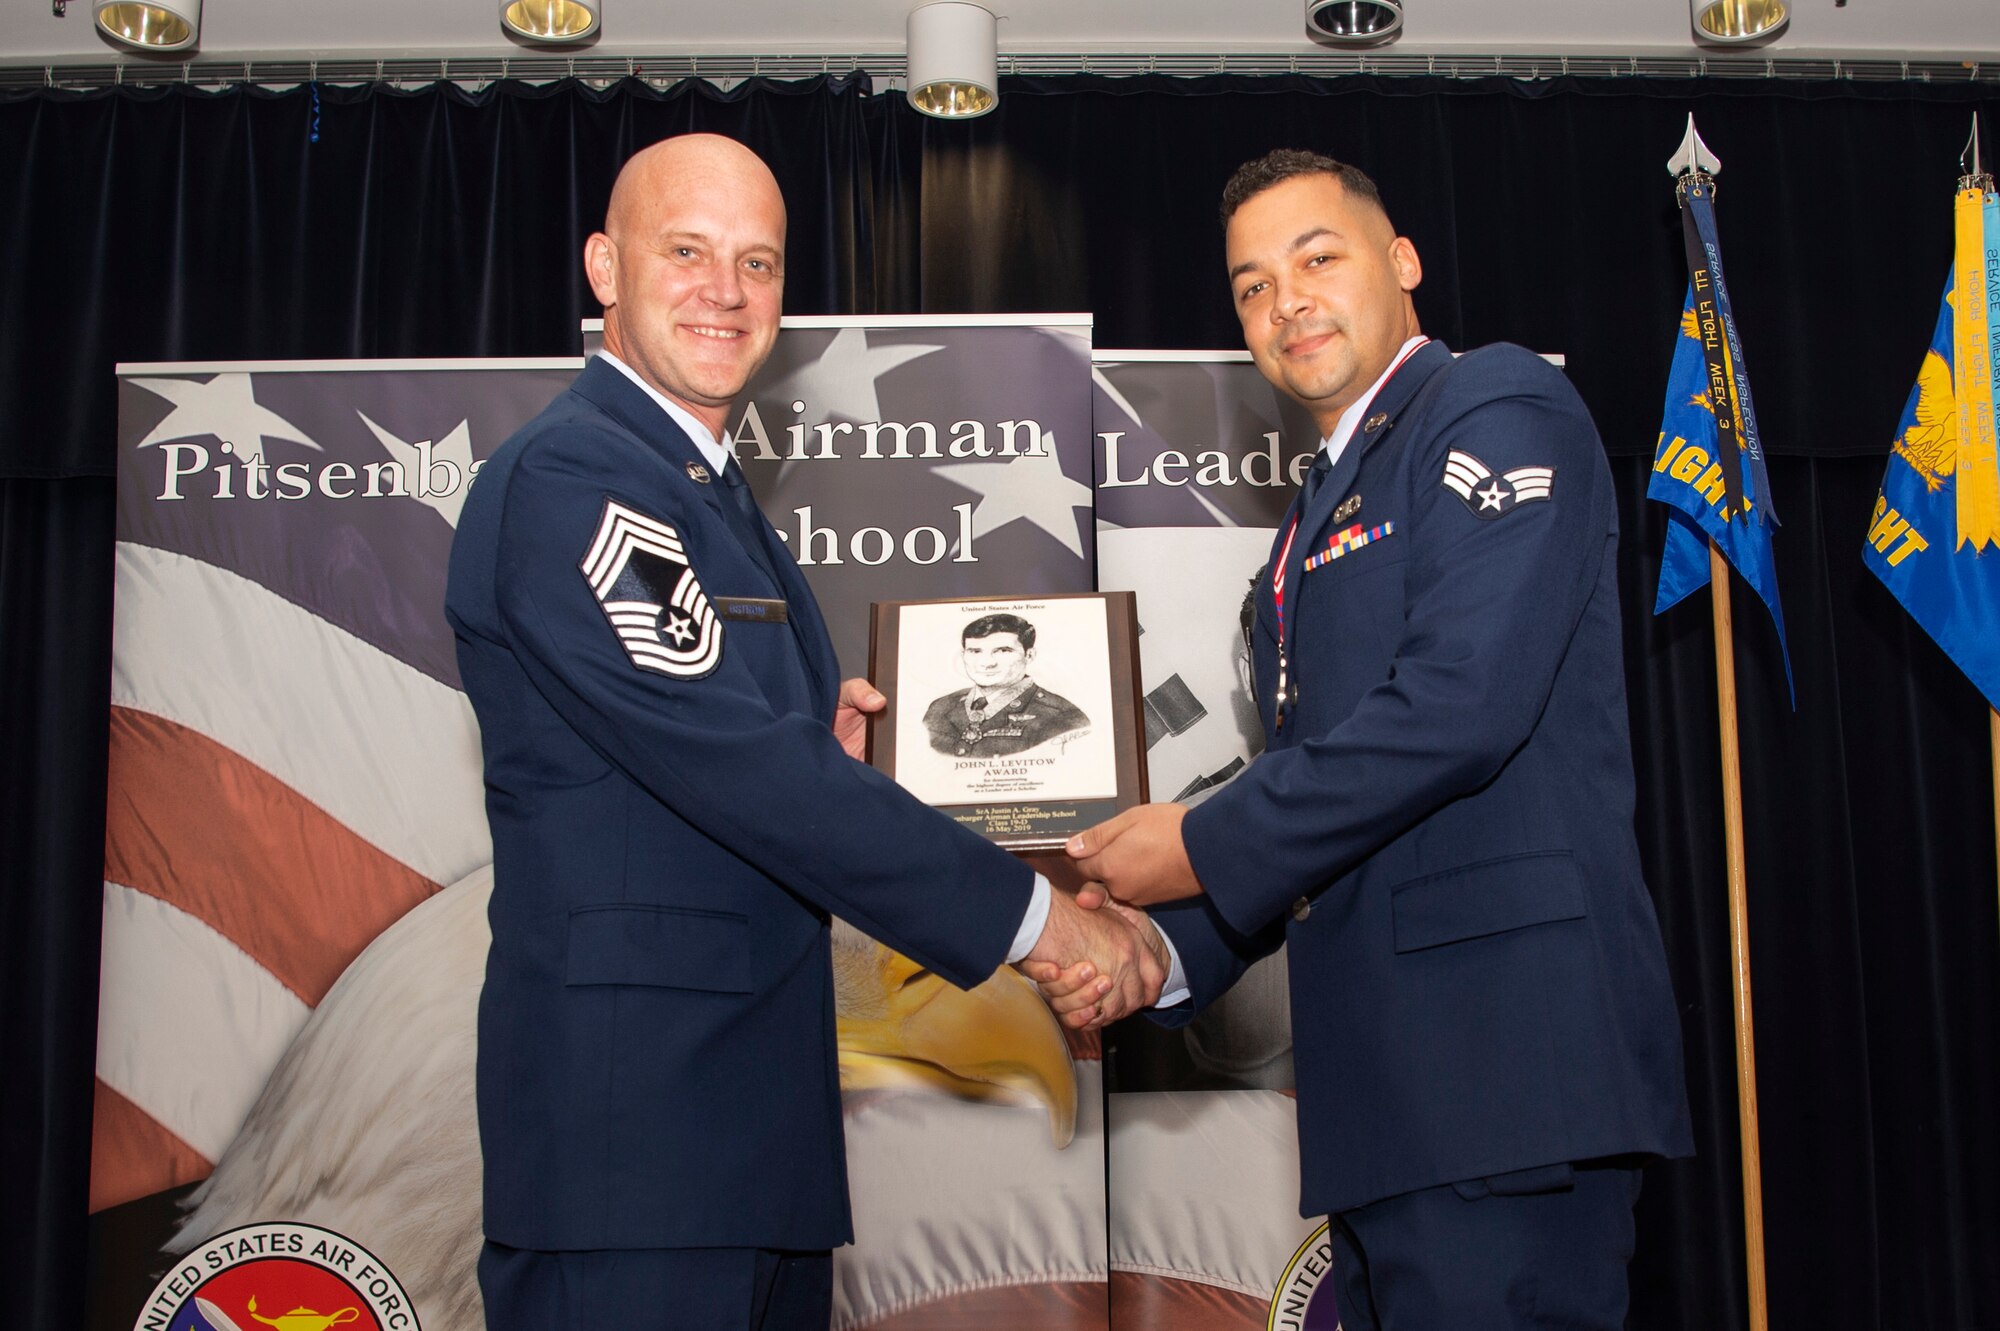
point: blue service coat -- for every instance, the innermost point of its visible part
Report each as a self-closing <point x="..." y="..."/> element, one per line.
<point x="671" y="828"/>
<point x="1441" y="828"/>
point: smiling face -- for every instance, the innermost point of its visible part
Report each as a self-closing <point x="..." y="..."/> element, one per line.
<point x="1322" y="285"/>
<point x="996" y="661"/>
<point x="690" y="269"/>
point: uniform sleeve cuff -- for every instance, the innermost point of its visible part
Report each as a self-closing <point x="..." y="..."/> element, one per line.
<point x="1175" y="991"/>
<point x="1033" y="922"/>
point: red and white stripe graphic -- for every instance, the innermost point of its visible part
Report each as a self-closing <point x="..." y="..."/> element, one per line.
<point x="281" y="790"/>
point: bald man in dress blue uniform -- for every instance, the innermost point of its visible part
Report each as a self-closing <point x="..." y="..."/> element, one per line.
<point x="1440" y="826"/>
<point x="677" y="810"/>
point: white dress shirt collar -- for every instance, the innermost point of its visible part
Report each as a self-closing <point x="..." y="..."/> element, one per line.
<point x="1343" y="429"/>
<point x="717" y="453"/>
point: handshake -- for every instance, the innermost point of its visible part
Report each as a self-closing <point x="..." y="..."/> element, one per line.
<point x="1100" y="957"/>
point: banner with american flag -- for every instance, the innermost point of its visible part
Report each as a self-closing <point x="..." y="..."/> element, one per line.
<point x="1197" y="461"/>
<point x="293" y="766"/>
<point x="297" y="861"/>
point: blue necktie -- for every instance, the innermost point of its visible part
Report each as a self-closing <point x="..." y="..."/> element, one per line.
<point x="750" y="528"/>
<point x="1320" y="467"/>
<point x="739" y="491"/>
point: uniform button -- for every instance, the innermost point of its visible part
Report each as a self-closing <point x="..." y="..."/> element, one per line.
<point x="1300" y="909"/>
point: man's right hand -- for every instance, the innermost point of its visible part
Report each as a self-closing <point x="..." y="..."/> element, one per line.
<point x="1138" y="855"/>
<point x="1095" y="966"/>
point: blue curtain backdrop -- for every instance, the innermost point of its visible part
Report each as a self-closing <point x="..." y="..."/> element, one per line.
<point x="173" y="223"/>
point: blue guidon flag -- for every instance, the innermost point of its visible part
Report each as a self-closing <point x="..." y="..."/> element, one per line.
<point x="1934" y="537"/>
<point x="642" y="578"/>
<point x="1709" y="466"/>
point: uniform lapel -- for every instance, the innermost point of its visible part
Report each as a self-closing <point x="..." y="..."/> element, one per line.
<point x="740" y="507"/>
<point x="809" y="626"/>
<point x="1375" y="427"/>
<point x="621" y="399"/>
<point x="625" y="402"/>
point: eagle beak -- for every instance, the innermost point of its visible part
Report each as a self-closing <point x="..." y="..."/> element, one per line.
<point x="995" y="1042"/>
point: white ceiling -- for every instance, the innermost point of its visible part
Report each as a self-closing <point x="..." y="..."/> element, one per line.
<point x="1921" y="30"/>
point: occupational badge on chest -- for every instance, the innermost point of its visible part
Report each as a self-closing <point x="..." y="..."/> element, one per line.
<point x="1490" y="496"/>
<point x="640" y="574"/>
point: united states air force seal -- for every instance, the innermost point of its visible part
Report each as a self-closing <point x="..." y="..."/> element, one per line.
<point x="284" y="1276"/>
<point x="1303" y="1300"/>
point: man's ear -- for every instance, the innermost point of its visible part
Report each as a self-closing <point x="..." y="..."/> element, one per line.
<point x="1409" y="268"/>
<point x="600" y="267"/>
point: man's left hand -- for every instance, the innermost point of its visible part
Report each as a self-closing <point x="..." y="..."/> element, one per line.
<point x="1138" y="856"/>
<point x="858" y="700"/>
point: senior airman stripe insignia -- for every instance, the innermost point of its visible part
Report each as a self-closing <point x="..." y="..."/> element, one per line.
<point x="1490" y="496"/>
<point x="640" y="574"/>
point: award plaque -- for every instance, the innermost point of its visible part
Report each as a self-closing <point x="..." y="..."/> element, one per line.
<point x="1019" y="715"/>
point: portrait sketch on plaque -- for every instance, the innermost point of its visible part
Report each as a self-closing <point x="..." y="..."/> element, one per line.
<point x="1005" y="700"/>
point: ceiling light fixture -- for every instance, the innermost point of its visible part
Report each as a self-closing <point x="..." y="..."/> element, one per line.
<point x="1354" y="22"/>
<point x="551" y="20"/>
<point x="155" y="26"/>
<point x="954" y="60"/>
<point x="1738" y="22"/>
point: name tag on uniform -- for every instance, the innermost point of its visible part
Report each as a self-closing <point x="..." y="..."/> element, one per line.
<point x="751" y="609"/>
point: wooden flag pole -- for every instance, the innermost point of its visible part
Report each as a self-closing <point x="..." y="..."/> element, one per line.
<point x="1693" y="156"/>
<point x="1739" y="933"/>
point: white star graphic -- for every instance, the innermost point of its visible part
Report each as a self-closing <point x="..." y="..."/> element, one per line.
<point x="224" y="407"/>
<point x="1110" y="390"/>
<point x="1491" y="496"/>
<point x="840" y="385"/>
<point x="679" y="630"/>
<point x="1031" y="487"/>
<point x="439" y="488"/>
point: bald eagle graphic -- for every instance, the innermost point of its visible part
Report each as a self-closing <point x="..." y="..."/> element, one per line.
<point x="1930" y="445"/>
<point x="367" y="1125"/>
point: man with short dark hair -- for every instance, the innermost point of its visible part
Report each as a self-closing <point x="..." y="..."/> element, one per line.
<point x="1004" y="712"/>
<point x="1440" y="826"/>
<point x="677" y="812"/>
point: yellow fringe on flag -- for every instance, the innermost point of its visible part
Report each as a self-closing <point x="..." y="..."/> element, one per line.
<point x="1978" y="481"/>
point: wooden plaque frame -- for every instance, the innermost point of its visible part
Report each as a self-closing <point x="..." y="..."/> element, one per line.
<point x="1030" y="824"/>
